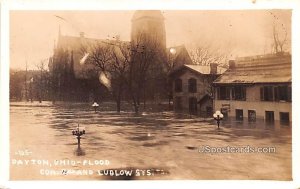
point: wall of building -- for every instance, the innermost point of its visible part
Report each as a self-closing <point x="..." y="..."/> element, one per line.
<point x="253" y="102"/>
<point x="203" y="85"/>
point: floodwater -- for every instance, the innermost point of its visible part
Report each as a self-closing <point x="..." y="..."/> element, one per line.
<point x="153" y="145"/>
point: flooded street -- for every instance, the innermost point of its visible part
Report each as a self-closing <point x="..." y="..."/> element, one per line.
<point x="157" y="145"/>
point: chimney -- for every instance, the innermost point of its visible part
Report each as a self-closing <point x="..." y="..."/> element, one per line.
<point x="231" y="64"/>
<point x="213" y="68"/>
<point x="81" y="34"/>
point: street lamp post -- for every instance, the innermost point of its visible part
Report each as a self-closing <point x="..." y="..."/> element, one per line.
<point x="78" y="134"/>
<point x="95" y="106"/>
<point x="218" y="116"/>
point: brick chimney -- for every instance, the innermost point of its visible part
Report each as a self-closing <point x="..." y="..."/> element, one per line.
<point x="231" y="64"/>
<point x="213" y="68"/>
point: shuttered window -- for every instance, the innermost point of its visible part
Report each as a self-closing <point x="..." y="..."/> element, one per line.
<point x="239" y="93"/>
<point x="224" y="93"/>
<point x="266" y="93"/>
<point x="276" y="93"/>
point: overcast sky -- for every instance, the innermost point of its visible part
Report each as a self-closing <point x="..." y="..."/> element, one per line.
<point x="240" y="32"/>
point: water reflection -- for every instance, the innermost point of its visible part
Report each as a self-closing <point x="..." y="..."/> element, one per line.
<point x="153" y="139"/>
<point x="79" y="151"/>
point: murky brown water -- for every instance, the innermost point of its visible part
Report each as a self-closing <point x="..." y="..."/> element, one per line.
<point x="157" y="145"/>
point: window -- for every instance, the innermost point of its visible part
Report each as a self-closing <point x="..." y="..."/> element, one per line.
<point x="283" y="93"/>
<point x="266" y="93"/>
<point x="269" y="117"/>
<point x="178" y="85"/>
<point x="239" y="93"/>
<point x="251" y="115"/>
<point x="192" y="85"/>
<point x="193" y="105"/>
<point x="223" y="93"/>
<point x="284" y="117"/>
<point x="239" y="114"/>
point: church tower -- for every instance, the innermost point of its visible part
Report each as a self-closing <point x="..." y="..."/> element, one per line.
<point x="150" y="25"/>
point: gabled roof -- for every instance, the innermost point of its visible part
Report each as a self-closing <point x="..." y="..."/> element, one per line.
<point x="179" y="56"/>
<point x="259" y="69"/>
<point x="205" y="69"/>
<point x="198" y="69"/>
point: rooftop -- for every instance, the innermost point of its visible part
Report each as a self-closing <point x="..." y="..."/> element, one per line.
<point x="198" y="69"/>
<point x="205" y="69"/>
<point x="259" y="69"/>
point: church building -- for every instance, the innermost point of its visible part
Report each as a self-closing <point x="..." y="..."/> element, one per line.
<point x="73" y="81"/>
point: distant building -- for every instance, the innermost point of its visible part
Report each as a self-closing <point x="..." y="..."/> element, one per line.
<point x="256" y="88"/>
<point x="72" y="81"/>
<point x="192" y="90"/>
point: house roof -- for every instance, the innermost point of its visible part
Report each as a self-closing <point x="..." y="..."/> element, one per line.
<point x="259" y="69"/>
<point x="198" y="69"/>
<point x="205" y="69"/>
<point x="180" y="55"/>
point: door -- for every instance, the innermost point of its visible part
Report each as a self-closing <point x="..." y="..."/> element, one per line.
<point x="269" y="117"/>
<point x="251" y="115"/>
<point x="239" y="114"/>
<point x="193" y="105"/>
<point x="178" y="103"/>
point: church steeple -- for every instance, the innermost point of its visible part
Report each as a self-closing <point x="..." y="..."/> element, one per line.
<point x="149" y="23"/>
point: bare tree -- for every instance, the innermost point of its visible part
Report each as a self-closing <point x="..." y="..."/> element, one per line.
<point x="279" y="41"/>
<point x="41" y="82"/>
<point x="99" y="54"/>
<point x="127" y="66"/>
<point x="206" y="54"/>
<point x="118" y="70"/>
<point x="25" y="83"/>
<point x="144" y="54"/>
<point x="111" y="60"/>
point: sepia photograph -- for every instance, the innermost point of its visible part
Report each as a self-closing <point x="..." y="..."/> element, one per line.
<point x="150" y="94"/>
